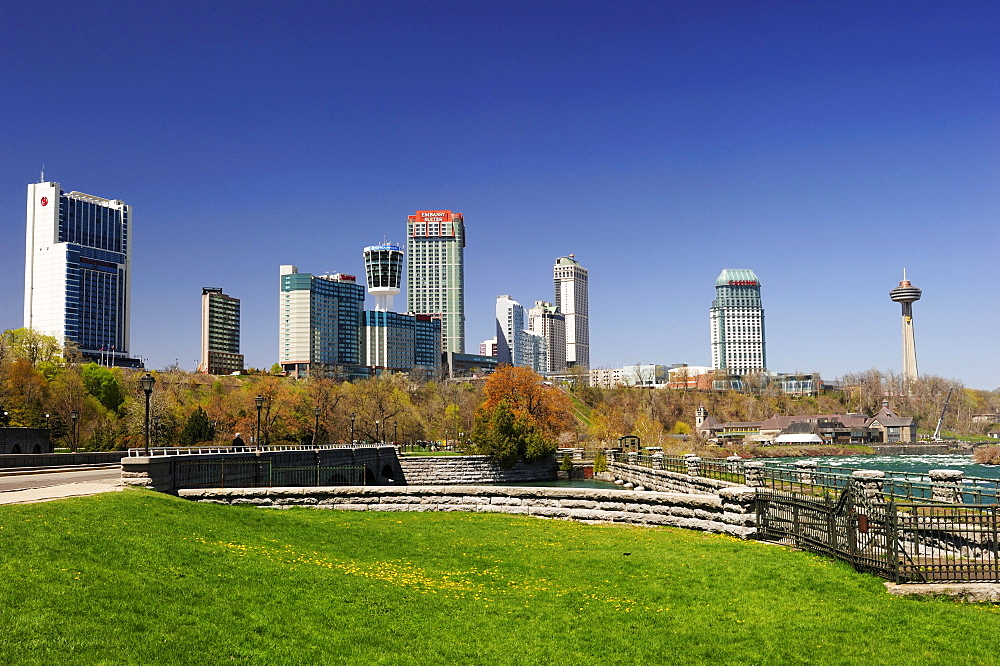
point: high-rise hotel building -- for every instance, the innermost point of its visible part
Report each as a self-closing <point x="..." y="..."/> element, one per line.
<point x="77" y="271"/>
<point x="220" y="333"/>
<point x="435" y="272"/>
<point x="572" y="299"/>
<point x="737" y="318"/>
<point x="320" y="324"/>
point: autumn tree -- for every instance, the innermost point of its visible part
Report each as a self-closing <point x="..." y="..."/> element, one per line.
<point x="527" y="394"/>
<point x="522" y="416"/>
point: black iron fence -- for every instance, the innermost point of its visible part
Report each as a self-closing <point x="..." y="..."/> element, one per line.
<point x="263" y="474"/>
<point x="899" y="541"/>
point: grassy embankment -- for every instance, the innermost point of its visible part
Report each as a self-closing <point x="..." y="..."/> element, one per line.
<point x="137" y="577"/>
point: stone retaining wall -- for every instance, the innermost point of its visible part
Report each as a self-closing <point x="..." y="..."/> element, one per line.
<point x="664" y="480"/>
<point x="730" y="512"/>
<point x="160" y="472"/>
<point x="14" y="441"/>
<point x="471" y="470"/>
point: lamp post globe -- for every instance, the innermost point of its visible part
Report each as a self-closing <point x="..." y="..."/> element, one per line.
<point x="353" y="415"/>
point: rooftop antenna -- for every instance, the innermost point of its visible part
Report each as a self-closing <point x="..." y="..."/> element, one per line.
<point x="41" y="175"/>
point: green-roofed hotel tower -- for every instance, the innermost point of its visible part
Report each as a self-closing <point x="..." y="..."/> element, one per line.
<point x="738" y="323"/>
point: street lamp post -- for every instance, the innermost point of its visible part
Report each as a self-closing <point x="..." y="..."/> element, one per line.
<point x="395" y="432"/>
<point x="352" y="427"/>
<point x="316" y="427"/>
<point x="377" y="440"/>
<point x="147" y="381"/>
<point x="73" y="416"/>
<point x="259" y="401"/>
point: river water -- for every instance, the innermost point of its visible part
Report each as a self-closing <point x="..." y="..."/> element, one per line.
<point x="917" y="464"/>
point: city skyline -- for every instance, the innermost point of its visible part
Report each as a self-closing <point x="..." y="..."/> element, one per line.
<point x="826" y="146"/>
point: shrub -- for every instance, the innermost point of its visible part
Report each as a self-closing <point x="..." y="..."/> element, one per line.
<point x="987" y="455"/>
<point x="600" y="462"/>
<point x="567" y="463"/>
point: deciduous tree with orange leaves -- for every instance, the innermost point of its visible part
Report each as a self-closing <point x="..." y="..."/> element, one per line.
<point x="528" y="395"/>
<point x="521" y="417"/>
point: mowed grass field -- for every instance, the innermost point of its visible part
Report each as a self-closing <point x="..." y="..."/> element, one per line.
<point x="142" y="578"/>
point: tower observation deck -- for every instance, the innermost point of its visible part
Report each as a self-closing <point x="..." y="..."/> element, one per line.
<point x="384" y="269"/>
<point x="906" y="294"/>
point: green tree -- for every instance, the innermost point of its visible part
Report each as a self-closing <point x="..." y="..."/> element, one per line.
<point x="104" y="385"/>
<point x="505" y="437"/>
<point x="198" y="429"/>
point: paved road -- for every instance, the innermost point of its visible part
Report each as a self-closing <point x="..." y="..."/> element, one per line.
<point x="106" y="476"/>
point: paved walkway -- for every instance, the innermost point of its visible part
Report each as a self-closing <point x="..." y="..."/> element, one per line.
<point x="58" y="492"/>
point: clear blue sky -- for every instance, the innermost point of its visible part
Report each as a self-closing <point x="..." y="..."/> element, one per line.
<point x="825" y="145"/>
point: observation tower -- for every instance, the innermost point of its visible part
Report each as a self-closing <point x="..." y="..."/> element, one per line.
<point x="384" y="268"/>
<point x="906" y="294"/>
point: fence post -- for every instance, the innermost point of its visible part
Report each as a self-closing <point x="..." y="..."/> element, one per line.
<point x="946" y="485"/>
<point x="753" y="474"/>
<point x="657" y="460"/>
<point x="869" y="482"/>
<point x="692" y="465"/>
<point x="807" y="471"/>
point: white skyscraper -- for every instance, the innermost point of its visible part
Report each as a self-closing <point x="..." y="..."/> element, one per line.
<point x="572" y="300"/>
<point x="77" y="271"/>
<point x="512" y="346"/>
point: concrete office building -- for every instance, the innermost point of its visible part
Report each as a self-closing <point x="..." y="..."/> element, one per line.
<point x="906" y="294"/>
<point x="572" y="299"/>
<point x="77" y="271"/>
<point x="320" y="324"/>
<point x="220" y="333"/>
<point x="435" y="272"/>
<point x="545" y="320"/>
<point x="737" y="323"/>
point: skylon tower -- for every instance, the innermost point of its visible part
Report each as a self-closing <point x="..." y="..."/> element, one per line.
<point x="906" y="294"/>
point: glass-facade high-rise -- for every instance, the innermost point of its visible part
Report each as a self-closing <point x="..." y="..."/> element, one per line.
<point x="321" y="319"/>
<point x="435" y="272"/>
<point x="77" y="272"/>
<point x="737" y="319"/>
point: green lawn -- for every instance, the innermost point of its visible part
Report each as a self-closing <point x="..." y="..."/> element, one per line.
<point x="142" y="578"/>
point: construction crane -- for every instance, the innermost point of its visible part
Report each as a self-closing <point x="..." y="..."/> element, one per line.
<point x="937" y="430"/>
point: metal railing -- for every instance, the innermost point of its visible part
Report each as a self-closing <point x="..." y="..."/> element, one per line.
<point x="197" y="450"/>
<point x="899" y="541"/>
<point x="222" y="473"/>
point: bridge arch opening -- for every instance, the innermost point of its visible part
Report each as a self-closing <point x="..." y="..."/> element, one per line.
<point x="370" y="478"/>
<point x="16" y="449"/>
<point x="388" y="473"/>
